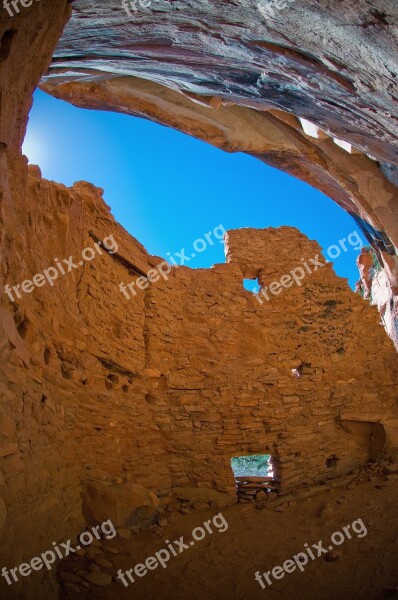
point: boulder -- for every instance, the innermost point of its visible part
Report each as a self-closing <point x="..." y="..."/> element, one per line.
<point x="126" y="505"/>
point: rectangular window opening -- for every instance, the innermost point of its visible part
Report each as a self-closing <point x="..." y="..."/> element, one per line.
<point x="254" y="474"/>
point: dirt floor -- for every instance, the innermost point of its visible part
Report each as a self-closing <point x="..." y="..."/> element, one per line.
<point x="222" y="566"/>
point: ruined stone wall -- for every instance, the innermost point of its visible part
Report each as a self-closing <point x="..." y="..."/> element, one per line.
<point x="227" y="362"/>
<point x="34" y="508"/>
<point x="163" y="388"/>
<point x="72" y="405"/>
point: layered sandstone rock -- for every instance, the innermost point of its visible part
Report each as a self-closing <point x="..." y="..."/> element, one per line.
<point x="379" y="284"/>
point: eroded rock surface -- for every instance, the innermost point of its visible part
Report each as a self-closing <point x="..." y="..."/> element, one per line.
<point x="315" y="60"/>
<point x="379" y="285"/>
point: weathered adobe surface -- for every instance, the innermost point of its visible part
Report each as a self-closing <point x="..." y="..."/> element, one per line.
<point x="163" y="388"/>
<point x="237" y="76"/>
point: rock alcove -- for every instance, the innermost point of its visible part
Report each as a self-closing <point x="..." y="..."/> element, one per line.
<point x="311" y="90"/>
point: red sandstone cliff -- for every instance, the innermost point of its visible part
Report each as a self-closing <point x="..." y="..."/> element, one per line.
<point x="379" y="284"/>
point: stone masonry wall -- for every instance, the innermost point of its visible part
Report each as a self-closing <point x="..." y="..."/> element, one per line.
<point x="226" y="362"/>
<point x="163" y="388"/>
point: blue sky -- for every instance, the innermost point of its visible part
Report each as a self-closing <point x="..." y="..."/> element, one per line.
<point x="168" y="189"/>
